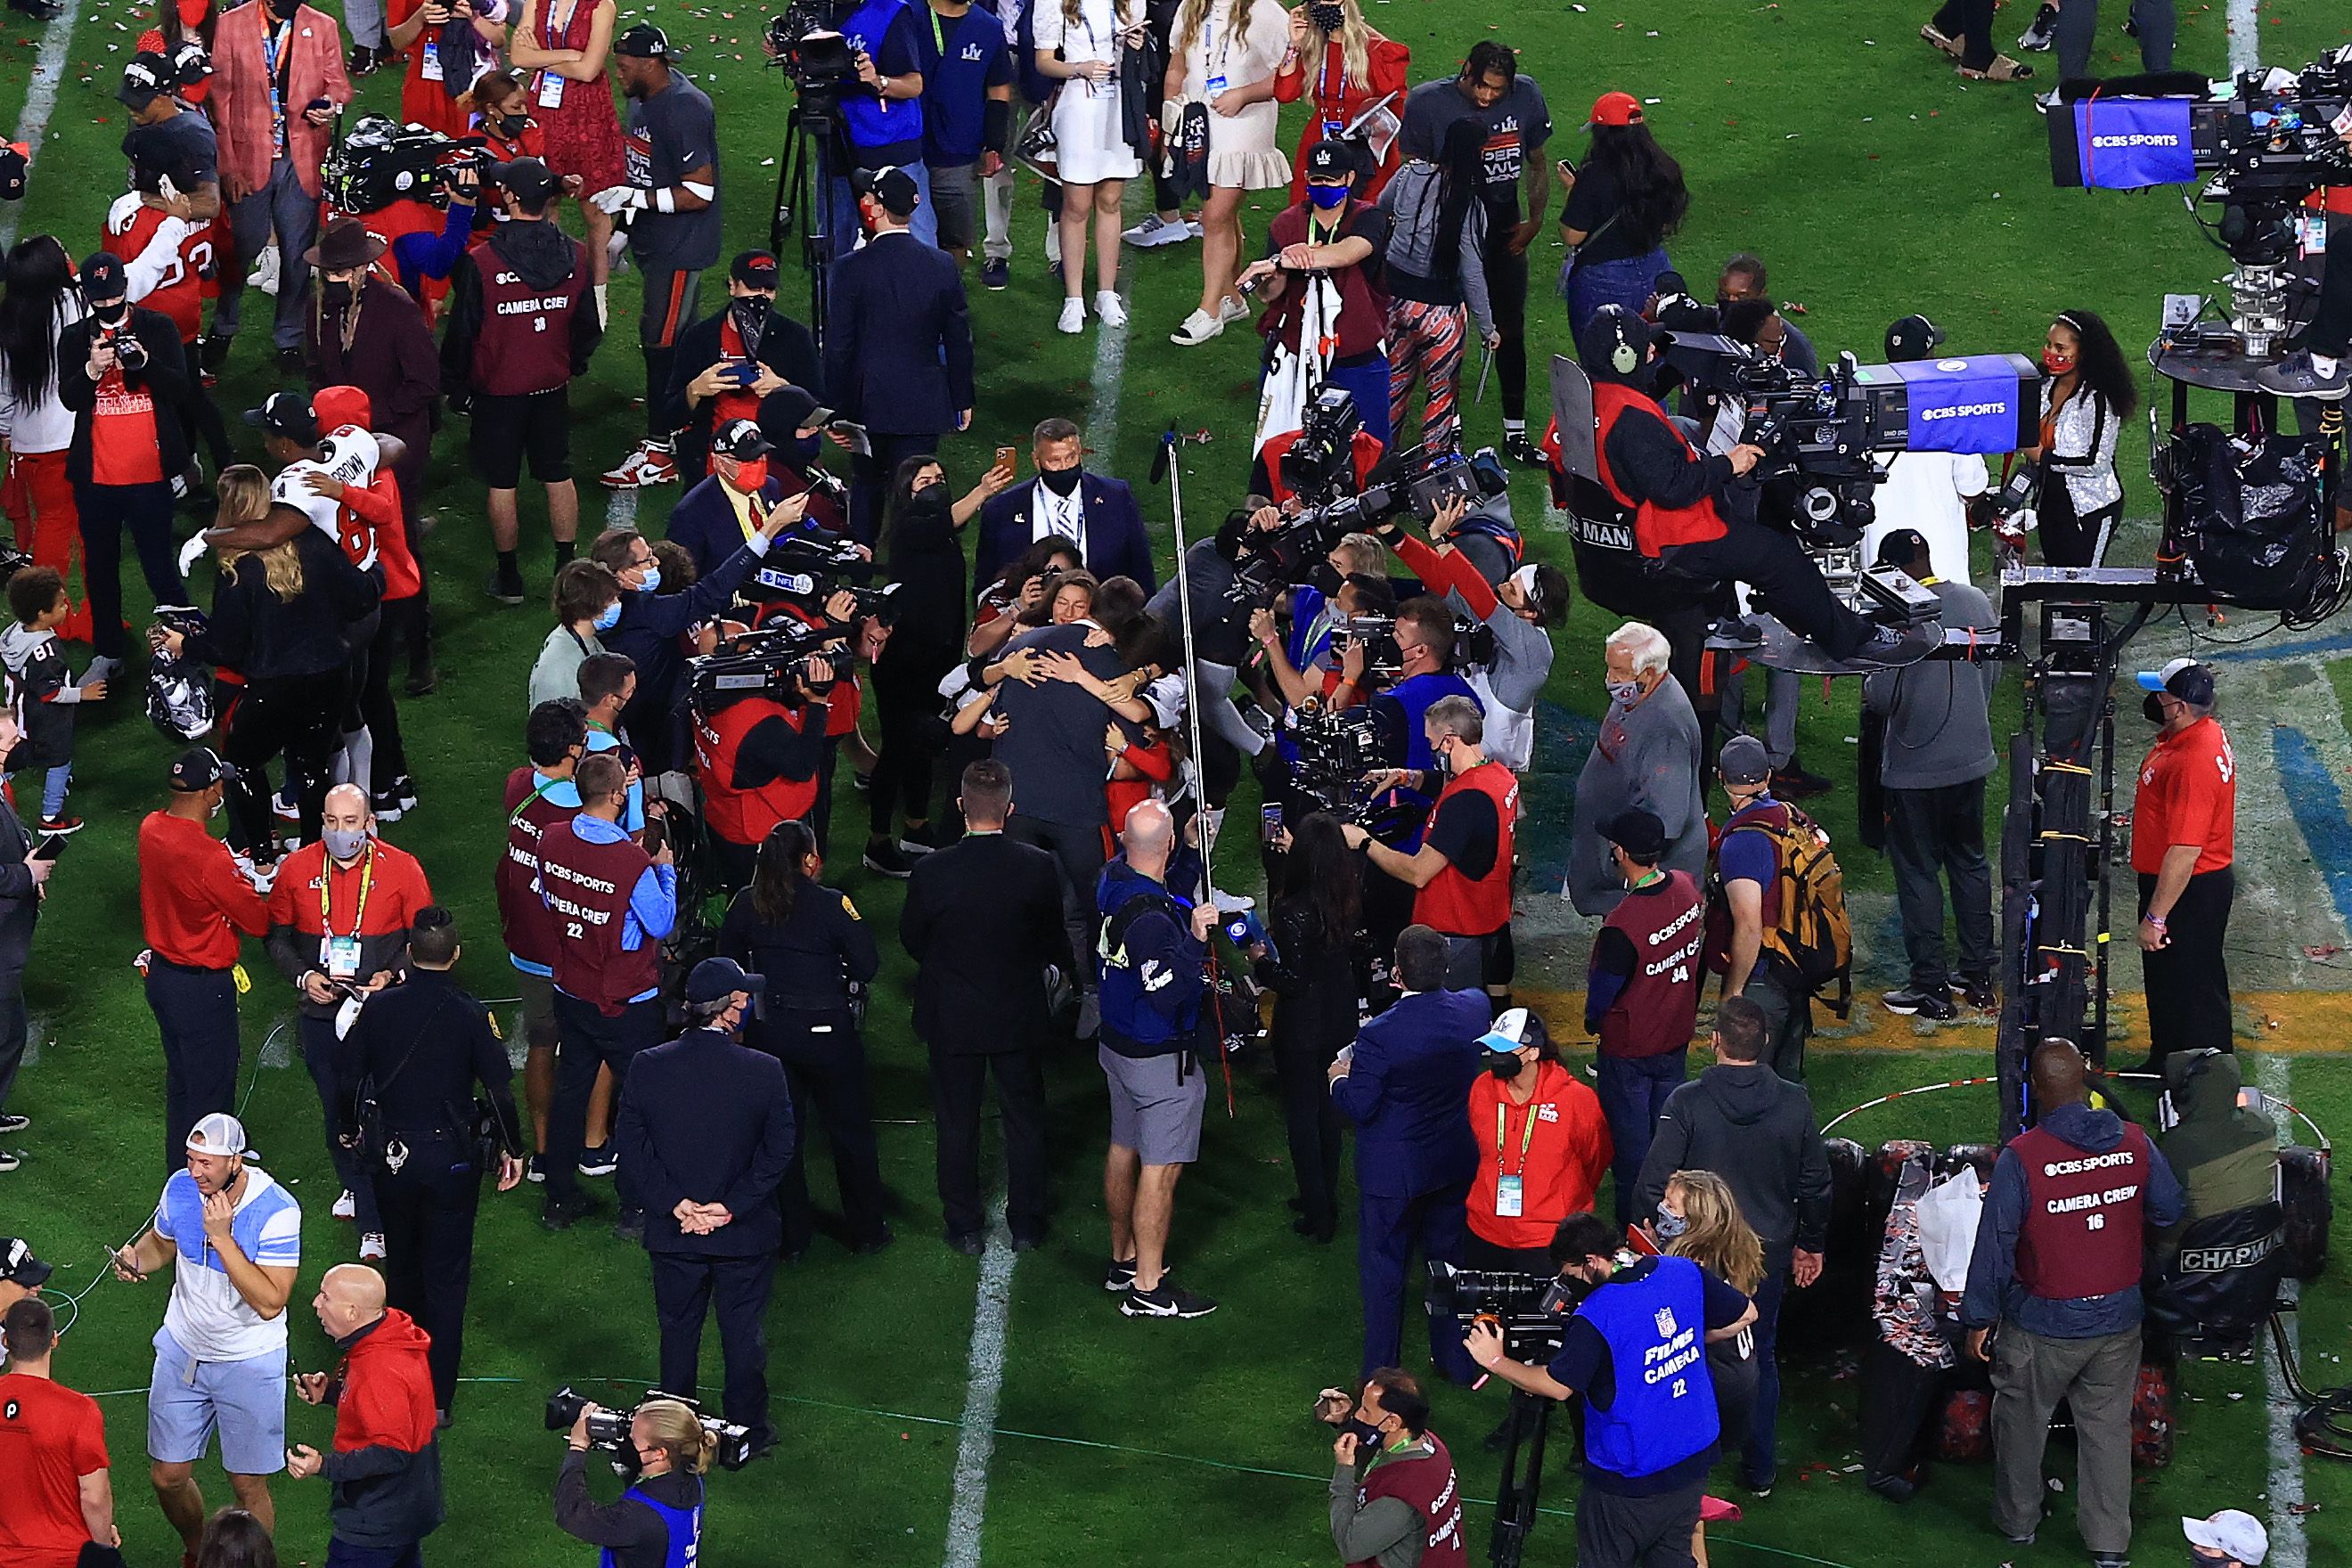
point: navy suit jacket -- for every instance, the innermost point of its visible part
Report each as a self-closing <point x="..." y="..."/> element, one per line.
<point x="1408" y="1091"/>
<point x="897" y="345"/>
<point x="1115" y="545"/>
<point x="706" y="1119"/>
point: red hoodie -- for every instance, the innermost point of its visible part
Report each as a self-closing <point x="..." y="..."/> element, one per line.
<point x="385" y="1470"/>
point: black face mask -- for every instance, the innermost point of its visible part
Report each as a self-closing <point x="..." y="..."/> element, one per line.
<point x="113" y="312"/>
<point x="284" y="9"/>
<point x="933" y="495"/>
<point x="1061" y="481"/>
<point x="1325" y="17"/>
<point x="1370" y="1439"/>
<point x="1324" y="578"/>
<point x="750" y="315"/>
<point x="1505" y="1065"/>
<point x="2151" y="710"/>
<point x="510" y="125"/>
<point x="335" y="296"/>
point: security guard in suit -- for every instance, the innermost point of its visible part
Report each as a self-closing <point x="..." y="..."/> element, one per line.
<point x="707" y="1125"/>
<point x="408" y="1069"/>
<point x="815" y="953"/>
<point x="1406" y="1084"/>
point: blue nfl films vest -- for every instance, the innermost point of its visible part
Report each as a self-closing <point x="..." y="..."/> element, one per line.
<point x="1656" y="1328"/>
<point x="872" y="120"/>
<point x="685" y="1526"/>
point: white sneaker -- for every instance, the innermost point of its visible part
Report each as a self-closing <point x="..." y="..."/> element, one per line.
<point x="1198" y="329"/>
<point x="1155" y="231"/>
<point x="372" y="1247"/>
<point x="1232" y="308"/>
<point x="346" y="1206"/>
<point x="648" y="463"/>
<point x="264" y="275"/>
<point x="1072" y="319"/>
<point x="1108" y="306"/>
<point x="1054" y="242"/>
<point x="1192" y="228"/>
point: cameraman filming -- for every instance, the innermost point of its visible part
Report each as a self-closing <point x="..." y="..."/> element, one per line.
<point x="880" y="116"/>
<point x="659" y="1520"/>
<point x="1652" y="469"/>
<point x="1649" y="1439"/>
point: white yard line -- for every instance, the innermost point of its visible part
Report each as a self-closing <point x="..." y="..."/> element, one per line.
<point x="40" y="103"/>
<point x="983" y="1385"/>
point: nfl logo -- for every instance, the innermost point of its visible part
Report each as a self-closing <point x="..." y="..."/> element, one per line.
<point x="1666" y="1322"/>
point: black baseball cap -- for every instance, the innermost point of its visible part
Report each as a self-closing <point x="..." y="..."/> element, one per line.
<point x="1901" y="546"/>
<point x="287" y="414"/>
<point x="1743" y="761"/>
<point x="147" y="77"/>
<point x="190" y="64"/>
<point x="1331" y="159"/>
<point x="200" y="770"/>
<point x="102" y="276"/>
<point x="19" y="1266"/>
<point x="527" y="178"/>
<point x="755" y="269"/>
<point x="740" y="439"/>
<point x="1637" y="832"/>
<point x="1913" y="337"/>
<point x="643" y="41"/>
<point x="15" y="170"/>
<point x="715" y="979"/>
<point x="890" y="185"/>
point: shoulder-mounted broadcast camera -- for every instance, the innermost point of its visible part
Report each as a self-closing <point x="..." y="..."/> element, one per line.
<point x="770" y="662"/>
<point x="381" y="161"/>
<point x="802" y="570"/>
<point x="1415" y="480"/>
<point x="609" y="1429"/>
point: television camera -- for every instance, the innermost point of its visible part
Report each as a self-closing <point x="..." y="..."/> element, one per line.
<point x="609" y="1429"/>
<point x="380" y="162"/>
<point x="1336" y="747"/>
<point x="1530" y="1310"/>
<point x="1415" y="480"/>
<point x="801" y="571"/>
<point x="770" y="661"/>
<point x="806" y="40"/>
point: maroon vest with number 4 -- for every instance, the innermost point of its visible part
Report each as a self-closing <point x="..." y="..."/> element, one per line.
<point x="525" y="344"/>
<point x="1656" y="1012"/>
<point x="525" y="922"/>
<point x="587" y="886"/>
<point x="2083" y="1213"/>
<point x="1430" y="1486"/>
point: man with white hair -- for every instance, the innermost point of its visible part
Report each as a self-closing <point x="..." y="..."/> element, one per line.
<point x="1154" y="957"/>
<point x="233" y="1237"/>
<point x="1647" y="757"/>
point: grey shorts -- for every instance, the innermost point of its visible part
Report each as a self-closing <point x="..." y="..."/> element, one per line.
<point x="537" y="1010"/>
<point x="955" y="203"/>
<point x="1152" y="1112"/>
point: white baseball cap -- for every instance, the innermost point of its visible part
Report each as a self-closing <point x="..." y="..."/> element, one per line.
<point x="217" y="1134"/>
<point x="2233" y="1533"/>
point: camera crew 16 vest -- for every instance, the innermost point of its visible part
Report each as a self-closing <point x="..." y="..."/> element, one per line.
<point x="1429" y="1485"/>
<point x="1655" y="528"/>
<point x="1664" y="1410"/>
<point x="2081" y="1235"/>
<point x="871" y="119"/>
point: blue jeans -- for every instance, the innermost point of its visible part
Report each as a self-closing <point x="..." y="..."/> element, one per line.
<point x="1756" y="1462"/>
<point x="1627" y="282"/>
<point x="53" y="789"/>
<point x="1633" y="1092"/>
<point x="281" y="208"/>
<point x="841" y="208"/>
<point x="1368" y="384"/>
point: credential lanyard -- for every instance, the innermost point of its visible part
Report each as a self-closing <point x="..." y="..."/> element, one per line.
<point x="1527" y="1134"/>
<point x="367" y="881"/>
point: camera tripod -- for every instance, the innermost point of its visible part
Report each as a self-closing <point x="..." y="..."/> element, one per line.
<point x="1515" y="1494"/>
<point x="803" y="178"/>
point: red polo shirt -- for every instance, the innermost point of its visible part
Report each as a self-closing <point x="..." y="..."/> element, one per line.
<point x="193" y="901"/>
<point x="2188" y="795"/>
<point x="50" y="1436"/>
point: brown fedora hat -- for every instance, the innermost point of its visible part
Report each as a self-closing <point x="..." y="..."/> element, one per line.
<point x="344" y="244"/>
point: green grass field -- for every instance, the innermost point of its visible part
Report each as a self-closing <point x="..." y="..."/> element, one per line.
<point x="1823" y="135"/>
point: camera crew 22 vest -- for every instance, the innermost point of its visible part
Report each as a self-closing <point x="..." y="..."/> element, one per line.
<point x="525" y="344"/>
<point x="588" y="887"/>
<point x="1655" y="528"/>
<point x="1461" y="905"/>
<point x="526" y="924"/>
<point x="1655" y="1011"/>
<point x="1430" y="1486"/>
<point x="1664" y="1411"/>
<point x="2085" y="1214"/>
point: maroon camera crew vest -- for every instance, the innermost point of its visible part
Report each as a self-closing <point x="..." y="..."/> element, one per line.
<point x="587" y="886"/>
<point x="525" y="922"/>
<point x="1656" y="1011"/>
<point x="525" y="344"/>
<point x="2084" y="1215"/>
<point x="1430" y="1486"/>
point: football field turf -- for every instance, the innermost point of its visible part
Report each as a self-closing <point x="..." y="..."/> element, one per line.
<point x="1820" y="134"/>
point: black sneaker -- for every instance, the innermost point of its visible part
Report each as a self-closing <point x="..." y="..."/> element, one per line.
<point x="8" y="1161"/>
<point x="1119" y="1275"/>
<point x="534" y="1169"/>
<point x="421" y="682"/>
<point x="362" y="62"/>
<point x="213" y="350"/>
<point x="600" y="1160"/>
<point x="1171" y="1301"/>
<point x="996" y="275"/>
<point x="867" y="1246"/>
<point x="38" y="10"/>
<point x="11" y="1123"/>
<point x="2045" y="31"/>
<point x="289" y="359"/>
<point x="1519" y="449"/>
<point x="505" y="591"/>
<point x="1888" y="648"/>
<point x="1793" y="782"/>
<point x="2296" y="376"/>
<point x="631" y="1226"/>
<point x="562" y="1214"/>
<point x="1734" y="633"/>
<point x="1920" y="1004"/>
<point x="1980" y="994"/>
<point x="884" y="860"/>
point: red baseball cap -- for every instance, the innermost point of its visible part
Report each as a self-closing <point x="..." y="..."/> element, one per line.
<point x="337" y="406"/>
<point x="1616" y="108"/>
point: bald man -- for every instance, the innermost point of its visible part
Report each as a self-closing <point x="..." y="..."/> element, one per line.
<point x="2057" y="1267"/>
<point x="339" y="918"/>
<point x="383" y="1476"/>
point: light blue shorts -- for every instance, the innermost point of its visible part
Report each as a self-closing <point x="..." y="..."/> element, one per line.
<point x="245" y="1401"/>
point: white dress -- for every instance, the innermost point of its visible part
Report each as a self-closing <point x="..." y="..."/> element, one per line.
<point x="1088" y="143"/>
<point x="1242" y="151"/>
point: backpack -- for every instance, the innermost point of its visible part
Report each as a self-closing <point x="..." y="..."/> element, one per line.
<point x="1809" y="930"/>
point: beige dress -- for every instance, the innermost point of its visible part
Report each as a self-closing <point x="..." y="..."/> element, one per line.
<point x="1242" y="151"/>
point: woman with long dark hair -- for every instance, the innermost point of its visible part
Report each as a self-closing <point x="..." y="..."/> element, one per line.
<point x="1311" y="968"/>
<point x="1623" y="202"/>
<point x="920" y="545"/>
<point x="2088" y="393"/>
<point x="808" y="943"/>
<point x="1019" y="589"/>
<point x="40" y="301"/>
<point x="1437" y="279"/>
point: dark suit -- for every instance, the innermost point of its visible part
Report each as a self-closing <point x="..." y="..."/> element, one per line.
<point x="897" y="357"/>
<point x="20" y="907"/>
<point x="1115" y="545"/>
<point x="705" y="1120"/>
<point x="1408" y="1091"/>
<point x="785" y="347"/>
<point x="704" y="524"/>
<point x="983" y="919"/>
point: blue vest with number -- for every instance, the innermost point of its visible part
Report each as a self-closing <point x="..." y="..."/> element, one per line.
<point x="1655" y="1329"/>
<point x="873" y="120"/>
<point x="685" y="1526"/>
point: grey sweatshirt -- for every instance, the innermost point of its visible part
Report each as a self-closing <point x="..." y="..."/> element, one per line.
<point x="1387" y="1530"/>
<point x="1411" y="201"/>
<point x="1646" y="755"/>
<point x="1938" y="729"/>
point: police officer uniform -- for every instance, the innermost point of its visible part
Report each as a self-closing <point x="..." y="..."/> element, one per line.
<point x="408" y="1069"/>
<point x="706" y="1120"/>
<point x="810" y="962"/>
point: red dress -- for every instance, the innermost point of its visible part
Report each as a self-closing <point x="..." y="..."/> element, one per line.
<point x="423" y="100"/>
<point x="1338" y="101"/>
<point x="583" y="135"/>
